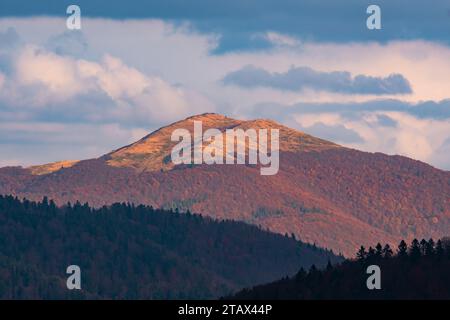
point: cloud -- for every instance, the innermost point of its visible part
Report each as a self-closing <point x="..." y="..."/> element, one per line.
<point x="391" y="127"/>
<point x="237" y="22"/>
<point x="8" y="38"/>
<point x="282" y="40"/>
<point x="386" y="121"/>
<point x="179" y="54"/>
<point x="174" y="75"/>
<point x="46" y="84"/>
<point x="433" y="110"/>
<point x="419" y="139"/>
<point x="337" y="133"/>
<point x="73" y="43"/>
<point x="37" y="142"/>
<point x="299" y="78"/>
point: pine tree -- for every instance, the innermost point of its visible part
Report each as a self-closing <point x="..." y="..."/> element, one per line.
<point x="329" y="266"/>
<point x="429" y="248"/>
<point x="439" y="249"/>
<point x="371" y="254"/>
<point x="402" y="250"/>
<point x="361" y="255"/>
<point x="387" y="251"/>
<point x="414" y="250"/>
<point x="379" y="250"/>
<point x="446" y="244"/>
<point x="423" y="246"/>
<point x="301" y="275"/>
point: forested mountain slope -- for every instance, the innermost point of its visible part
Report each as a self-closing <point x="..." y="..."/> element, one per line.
<point x="137" y="252"/>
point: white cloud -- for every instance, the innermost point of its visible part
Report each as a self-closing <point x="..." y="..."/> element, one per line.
<point x="51" y="79"/>
<point x="57" y="77"/>
<point x="419" y="138"/>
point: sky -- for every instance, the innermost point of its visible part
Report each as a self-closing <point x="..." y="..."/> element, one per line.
<point x="138" y="65"/>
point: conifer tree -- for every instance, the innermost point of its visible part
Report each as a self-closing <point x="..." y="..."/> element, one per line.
<point x="361" y="255"/>
<point x="429" y="248"/>
<point x="329" y="266"/>
<point x="439" y="249"/>
<point x="370" y="253"/>
<point x="415" y="251"/>
<point x="387" y="251"/>
<point x="423" y="246"/>
<point x="379" y="250"/>
<point x="402" y="250"/>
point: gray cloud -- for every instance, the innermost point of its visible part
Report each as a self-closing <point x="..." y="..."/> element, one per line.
<point x="336" y="133"/>
<point x="8" y="38"/>
<point x="237" y="21"/>
<point x="437" y="110"/>
<point x="72" y="43"/>
<point x="298" y="78"/>
<point x="386" y="121"/>
<point x="5" y="63"/>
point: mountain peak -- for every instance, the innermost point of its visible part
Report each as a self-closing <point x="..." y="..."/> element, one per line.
<point x="152" y="153"/>
<point x="207" y="116"/>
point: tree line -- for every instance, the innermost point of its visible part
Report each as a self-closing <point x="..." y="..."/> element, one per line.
<point x="416" y="271"/>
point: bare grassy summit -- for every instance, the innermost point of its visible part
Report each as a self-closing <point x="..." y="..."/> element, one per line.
<point x="152" y="153"/>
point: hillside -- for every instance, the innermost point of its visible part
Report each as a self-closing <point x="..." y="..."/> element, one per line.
<point x="336" y="197"/>
<point x="137" y="252"/>
<point x="417" y="272"/>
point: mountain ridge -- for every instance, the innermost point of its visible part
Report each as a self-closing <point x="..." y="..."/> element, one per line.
<point x="153" y="150"/>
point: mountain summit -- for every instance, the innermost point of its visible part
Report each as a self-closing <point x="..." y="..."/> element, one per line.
<point x="152" y="152"/>
<point x="326" y="194"/>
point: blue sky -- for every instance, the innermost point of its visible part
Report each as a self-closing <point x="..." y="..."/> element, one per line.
<point x="138" y="65"/>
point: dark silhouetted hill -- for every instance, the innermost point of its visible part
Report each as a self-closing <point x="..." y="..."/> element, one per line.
<point x="421" y="271"/>
<point x="137" y="252"/>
